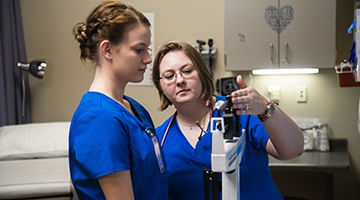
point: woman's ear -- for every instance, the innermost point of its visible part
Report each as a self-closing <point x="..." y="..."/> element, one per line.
<point x="105" y="49"/>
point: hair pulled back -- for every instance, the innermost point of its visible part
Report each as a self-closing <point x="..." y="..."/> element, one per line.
<point x="110" y="20"/>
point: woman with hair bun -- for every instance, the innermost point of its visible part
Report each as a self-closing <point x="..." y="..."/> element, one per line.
<point x="113" y="146"/>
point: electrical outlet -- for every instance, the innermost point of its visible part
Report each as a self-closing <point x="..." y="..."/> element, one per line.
<point x="301" y="93"/>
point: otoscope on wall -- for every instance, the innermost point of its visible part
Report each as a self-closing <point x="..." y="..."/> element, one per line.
<point x="201" y="43"/>
<point x="210" y="43"/>
<point x="207" y="51"/>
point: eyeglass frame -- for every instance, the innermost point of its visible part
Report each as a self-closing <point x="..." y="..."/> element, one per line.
<point x="178" y="73"/>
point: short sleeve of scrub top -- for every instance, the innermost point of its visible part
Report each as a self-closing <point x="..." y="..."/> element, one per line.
<point x="107" y="138"/>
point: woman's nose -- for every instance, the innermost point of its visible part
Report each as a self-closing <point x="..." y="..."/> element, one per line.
<point x="179" y="78"/>
<point x="147" y="59"/>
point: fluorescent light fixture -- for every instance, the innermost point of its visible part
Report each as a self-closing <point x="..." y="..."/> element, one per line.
<point x="285" y="71"/>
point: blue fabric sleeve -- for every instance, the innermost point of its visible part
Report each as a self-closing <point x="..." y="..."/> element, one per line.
<point x="258" y="136"/>
<point x="97" y="154"/>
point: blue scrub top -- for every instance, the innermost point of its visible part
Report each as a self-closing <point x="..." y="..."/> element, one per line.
<point x="185" y="164"/>
<point x="105" y="138"/>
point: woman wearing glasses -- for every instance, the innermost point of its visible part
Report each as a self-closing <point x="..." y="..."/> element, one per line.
<point x="183" y="80"/>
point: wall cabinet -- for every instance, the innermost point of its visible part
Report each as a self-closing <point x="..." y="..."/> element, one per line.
<point x="268" y="34"/>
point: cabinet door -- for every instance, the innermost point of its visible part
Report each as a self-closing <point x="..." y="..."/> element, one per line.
<point x="310" y="35"/>
<point x="249" y="41"/>
<point x="262" y="34"/>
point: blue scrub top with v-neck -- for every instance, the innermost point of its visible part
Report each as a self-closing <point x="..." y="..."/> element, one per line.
<point x="185" y="163"/>
<point x="106" y="138"/>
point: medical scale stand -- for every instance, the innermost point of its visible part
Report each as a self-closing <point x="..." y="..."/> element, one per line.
<point x="227" y="149"/>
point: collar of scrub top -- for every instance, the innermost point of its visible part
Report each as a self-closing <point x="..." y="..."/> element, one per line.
<point x="208" y="104"/>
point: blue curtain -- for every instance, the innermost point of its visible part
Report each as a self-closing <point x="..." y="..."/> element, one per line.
<point x="13" y="82"/>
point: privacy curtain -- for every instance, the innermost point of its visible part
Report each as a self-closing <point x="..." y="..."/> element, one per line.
<point x="12" y="51"/>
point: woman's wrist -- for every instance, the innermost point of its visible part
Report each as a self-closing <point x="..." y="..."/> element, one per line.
<point x="269" y="110"/>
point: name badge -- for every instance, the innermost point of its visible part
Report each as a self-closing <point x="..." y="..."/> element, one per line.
<point x="157" y="150"/>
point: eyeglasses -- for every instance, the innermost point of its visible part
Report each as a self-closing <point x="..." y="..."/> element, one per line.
<point x="171" y="76"/>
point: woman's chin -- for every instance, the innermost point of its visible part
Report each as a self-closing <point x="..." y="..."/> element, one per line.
<point x="137" y="80"/>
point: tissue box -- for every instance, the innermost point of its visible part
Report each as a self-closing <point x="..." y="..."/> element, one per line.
<point x="308" y="139"/>
<point x="346" y="75"/>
